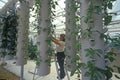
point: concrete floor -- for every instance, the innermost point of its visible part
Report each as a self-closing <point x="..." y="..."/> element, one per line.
<point x="30" y="67"/>
<point x="6" y="75"/>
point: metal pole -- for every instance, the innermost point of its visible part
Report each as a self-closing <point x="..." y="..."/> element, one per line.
<point x="67" y="72"/>
<point x="22" y="72"/>
<point x="57" y="68"/>
<point x="34" y="72"/>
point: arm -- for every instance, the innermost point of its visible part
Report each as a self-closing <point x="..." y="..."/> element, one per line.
<point x="55" y="41"/>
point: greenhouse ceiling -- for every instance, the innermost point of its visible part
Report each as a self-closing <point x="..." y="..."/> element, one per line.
<point x="2" y="3"/>
<point x="115" y="9"/>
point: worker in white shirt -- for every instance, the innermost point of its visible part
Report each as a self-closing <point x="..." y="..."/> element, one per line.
<point x="60" y="44"/>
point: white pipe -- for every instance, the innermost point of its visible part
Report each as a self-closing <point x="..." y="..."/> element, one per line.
<point x="57" y="69"/>
<point x="44" y="16"/>
<point x="22" y="45"/>
<point x="22" y="72"/>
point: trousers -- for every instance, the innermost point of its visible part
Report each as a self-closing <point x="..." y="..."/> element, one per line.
<point x="60" y="60"/>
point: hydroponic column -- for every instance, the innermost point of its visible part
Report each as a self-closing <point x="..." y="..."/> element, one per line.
<point x="99" y="30"/>
<point x="92" y="44"/>
<point x="22" y="40"/>
<point x="43" y="66"/>
<point x="70" y="36"/>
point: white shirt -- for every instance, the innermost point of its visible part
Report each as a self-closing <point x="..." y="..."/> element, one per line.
<point x="60" y="48"/>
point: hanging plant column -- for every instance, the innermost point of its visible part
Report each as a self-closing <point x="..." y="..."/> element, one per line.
<point x="23" y="26"/>
<point x="70" y="36"/>
<point x="92" y="44"/>
<point x="44" y="24"/>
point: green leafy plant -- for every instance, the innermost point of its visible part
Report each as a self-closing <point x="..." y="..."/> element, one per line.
<point x="8" y="33"/>
<point x="94" y="72"/>
<point x="32" y="50"/>
<point x="49" y="29"/>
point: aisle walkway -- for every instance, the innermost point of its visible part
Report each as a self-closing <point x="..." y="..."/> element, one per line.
<point x="30" y="67"/>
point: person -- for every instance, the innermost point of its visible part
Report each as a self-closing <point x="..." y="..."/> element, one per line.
<point x="60" y="46"/>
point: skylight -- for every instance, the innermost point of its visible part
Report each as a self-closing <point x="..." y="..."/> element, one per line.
<point x="2" y="3"/>
<point x="116" y="9"/>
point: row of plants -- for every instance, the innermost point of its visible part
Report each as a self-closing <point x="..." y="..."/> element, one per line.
<point x="8" y="35"/>
<point x="8" y="31"/>
<point x="94" y="72"/>
<point x="8" y="40"/>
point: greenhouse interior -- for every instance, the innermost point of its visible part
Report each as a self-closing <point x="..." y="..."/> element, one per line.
<point x="59" y="40"/>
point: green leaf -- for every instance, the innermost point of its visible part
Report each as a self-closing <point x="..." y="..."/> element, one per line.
<point x="107" y="20"/>
<point x="53" y="6"/>
<point x="77" y="57"/>
<point x="87" y="74"/>
<point x="97" y="9"/>
<point x="111" y="59"/>
<point x="109" y="68"/>
<point x="73" y="71"/>
<point x="110" y="5"/>
<point x="117" y="76"/>
<point x="56" y="2"/>
<point x="86" y="19"/>
<point x="81" y="65"/>
<point x="118" y="68"/>
<point x="107" y="73"/>
<point x="113" y="0"/>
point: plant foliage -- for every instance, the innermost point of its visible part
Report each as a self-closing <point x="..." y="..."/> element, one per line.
<point x="8" y="33"/>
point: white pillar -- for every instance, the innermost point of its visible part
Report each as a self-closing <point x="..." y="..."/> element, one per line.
<point x="99" y="41"/>
<point x="22" y="40"/>
<point x="94" y="39"/>
<point x="70" y="41"/>
<point x="44" y="26"/>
